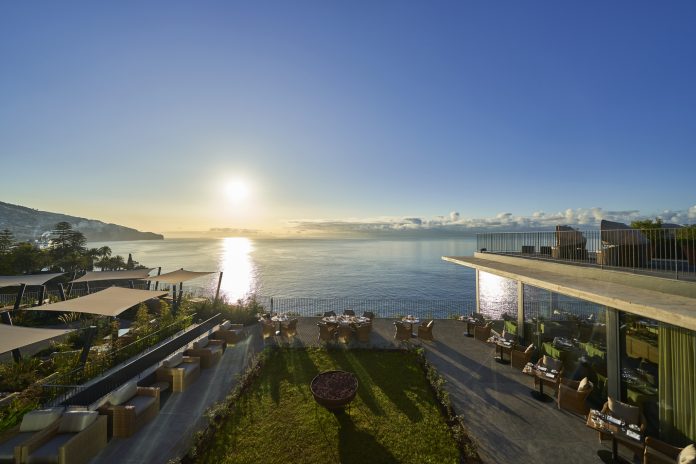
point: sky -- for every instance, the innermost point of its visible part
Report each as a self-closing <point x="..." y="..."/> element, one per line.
<point x="339" y="116"/>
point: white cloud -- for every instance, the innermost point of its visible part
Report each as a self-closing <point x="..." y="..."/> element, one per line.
<point x="454" y="223"/>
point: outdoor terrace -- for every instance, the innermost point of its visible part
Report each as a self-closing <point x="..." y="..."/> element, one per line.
<point x="503" y="419"/>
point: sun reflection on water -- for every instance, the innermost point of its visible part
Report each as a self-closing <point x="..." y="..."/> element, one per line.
<point x="239" y="278"/>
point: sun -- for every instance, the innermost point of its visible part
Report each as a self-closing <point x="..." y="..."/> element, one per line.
<point x="237" y="190"/>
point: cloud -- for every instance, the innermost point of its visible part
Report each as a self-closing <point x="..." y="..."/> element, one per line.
<point x="455" y="224"/>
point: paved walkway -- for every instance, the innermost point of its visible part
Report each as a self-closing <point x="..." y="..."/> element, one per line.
<point x="506" y="423"/>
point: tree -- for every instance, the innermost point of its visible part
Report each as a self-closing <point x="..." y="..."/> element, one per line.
<point x="26" y="258"/>
<point x="68" y="247"/>
<point x="6" y="241"/>
<point x="647" y="224"/>
<point x="142" y="320"/>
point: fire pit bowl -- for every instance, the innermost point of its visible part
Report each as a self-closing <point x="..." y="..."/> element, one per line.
<point x="334" y="389"/>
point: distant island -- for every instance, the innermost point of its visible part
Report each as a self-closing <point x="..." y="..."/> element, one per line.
<point x="29" y="224"/>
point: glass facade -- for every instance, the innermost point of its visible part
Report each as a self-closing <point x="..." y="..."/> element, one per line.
<point x="573" y="331"/>
<point x="658" y="374"/>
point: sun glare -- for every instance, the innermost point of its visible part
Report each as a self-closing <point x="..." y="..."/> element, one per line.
<point x="237" y="190"/>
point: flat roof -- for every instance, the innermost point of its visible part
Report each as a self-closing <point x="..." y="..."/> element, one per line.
<point x="590" y="285"/>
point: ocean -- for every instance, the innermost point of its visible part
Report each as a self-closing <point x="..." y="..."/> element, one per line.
<point x="406" y="276"/>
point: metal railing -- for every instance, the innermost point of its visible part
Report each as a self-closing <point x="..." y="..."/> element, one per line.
<point x="147" y="351"/>
<point x="665" y="252"/>
<point x="387" y="308"/>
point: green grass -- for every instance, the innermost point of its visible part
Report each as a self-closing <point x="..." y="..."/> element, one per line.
<point x="394" y="417"/>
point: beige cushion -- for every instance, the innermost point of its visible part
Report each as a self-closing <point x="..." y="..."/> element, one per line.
<point x="551" y="363"/>
<point x="584" y="384"/>
<point x="529" y="349"/>
<point x="76" y="421"/>
<point x="225" y="325"/>
<point x="202" y="343"/>
<point x="34" y="421"/>
<point x="124" y="393"/>
<point x="625" y="412"/>
<point x="174" y="360"/>
<point x="687" y="455"/>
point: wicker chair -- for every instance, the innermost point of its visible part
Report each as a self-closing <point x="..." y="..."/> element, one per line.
<point x="659" y="452"/>
<point x="179" y="371"/>
<point x="210" y="351"/>
<point x="572" y="398"/>
<point x="327" y="332"/>
<point x="369" y="314"/>
<point x="629" y="413"/>
<point x="348" y="312"/>
<point x="345" y="333"/>
<point x="129" y="408"/>
<point x="519" y="358"/>
<point x="290" y="329"/>
<point x="75" y="439"/>
<point x="403" y="332"/>
<point x="329" y="314"/>
<point x="425" y="330"/>
<point x="483" y="333"/>
<point x="33" y="422"/>
<point x="362" y="332"/>
<point x="267" y="328"/>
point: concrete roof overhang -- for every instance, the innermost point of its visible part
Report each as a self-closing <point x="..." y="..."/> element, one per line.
<point x="666" y="300"/>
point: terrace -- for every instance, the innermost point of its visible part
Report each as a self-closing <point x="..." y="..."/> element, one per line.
<point x="502" y="418"/>
<point x="668" y="252"/>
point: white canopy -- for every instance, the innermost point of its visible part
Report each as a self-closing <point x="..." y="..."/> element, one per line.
<point x="35" y="279"/>
<point x="14" y="336"/>
<point x="178" y="276"/>
<point x="136" y="274"/>
<point x="108" y="302"/>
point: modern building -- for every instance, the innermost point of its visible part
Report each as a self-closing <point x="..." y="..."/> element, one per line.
<point x="621" y="312"/>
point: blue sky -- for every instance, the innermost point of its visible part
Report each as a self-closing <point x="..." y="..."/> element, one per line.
<point x="140" y="113"/>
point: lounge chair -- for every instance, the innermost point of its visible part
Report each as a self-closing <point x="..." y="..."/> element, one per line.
<point x="290" y="328"/>
<point x="348" y="312"/>
<point x="570" y="244"/>
<point x="327" y="332"/>
<point x="403" y="332"/>
<point x="659" y="452"/>
<point x="75" y="439"/>
<point x="230" y="333"/>
<point x="425" y="330"/>
<point x="179" y="371"/>
<point x="362" y="332"/>
<point x="631" y="415"/>
<point x="369" y="314"/>
<point x="520" y="358"/>
<point x="32" y="423"/>
<point x="129" y="408"/>
<point x="210" y="351"/>
<point x="623" y="246"/>
<point x="572" y="395"/>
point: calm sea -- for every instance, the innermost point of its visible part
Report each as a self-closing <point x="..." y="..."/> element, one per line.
<point x="369" y="269"/>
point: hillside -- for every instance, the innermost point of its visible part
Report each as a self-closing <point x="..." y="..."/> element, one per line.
<point x="31" y="224"/>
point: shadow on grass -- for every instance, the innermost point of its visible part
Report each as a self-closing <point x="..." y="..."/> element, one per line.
<point x="289" y="365"/>
<point x="385" y="373"/>
<point x="358" y="446"/>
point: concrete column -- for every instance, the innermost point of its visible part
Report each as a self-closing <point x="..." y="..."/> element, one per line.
<point x="520" y="312"/>
<point x="478" y="301"/>
<point x="613" y="353"/>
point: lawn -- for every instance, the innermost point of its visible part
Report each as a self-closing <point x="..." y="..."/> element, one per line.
<point x="394" y="417"/>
